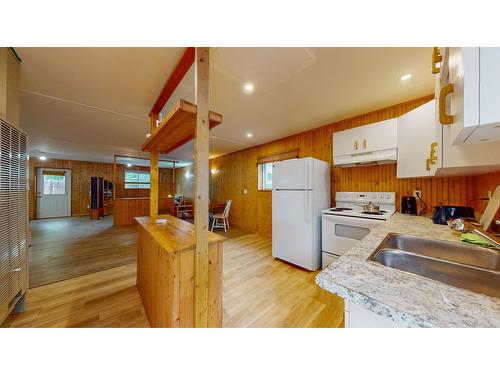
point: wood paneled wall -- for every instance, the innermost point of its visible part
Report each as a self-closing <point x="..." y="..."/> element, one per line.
<point x="482" y="185"/>
<point x="165" y="185"/>
<point x="185" y="185"/>
<point x="252" y="211"/>
<point x="80" y="184"/>
<point x="81" y="171"/>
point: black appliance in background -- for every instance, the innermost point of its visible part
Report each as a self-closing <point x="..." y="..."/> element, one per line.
<point x="409" y="205"/>
<point x="444" y="213"/>
<point x="96" y="198"/>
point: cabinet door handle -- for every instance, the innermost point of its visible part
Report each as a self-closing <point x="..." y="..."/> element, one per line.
<point x="445" y="118"/>
<point x="364" y="143"/>
<point x="356" y="145"/>
<point x="436" y="58"/>
<point x="432" y="156"/>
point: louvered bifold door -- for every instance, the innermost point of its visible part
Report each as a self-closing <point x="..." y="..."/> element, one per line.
<point x="13" y="214"/>
<point x="5" y="281"/>
<point x="23" y="210"/>
<point x="15" y="264"/>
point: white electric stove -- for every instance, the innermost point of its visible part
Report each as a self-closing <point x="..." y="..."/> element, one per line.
<point x="344" y="225"/>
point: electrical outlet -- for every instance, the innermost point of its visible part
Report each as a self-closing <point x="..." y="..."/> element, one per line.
<point x="245" y="191"/>
<point x="88" y="205"/>
<point x="417" y="193"/>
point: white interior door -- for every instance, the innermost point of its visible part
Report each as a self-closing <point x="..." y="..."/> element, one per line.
<point x="53" y="198"/>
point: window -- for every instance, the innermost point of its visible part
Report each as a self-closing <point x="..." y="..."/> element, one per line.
<point x="54" y="183"/>
<point x="137" y="180"/>
<point x="265" y="176"/>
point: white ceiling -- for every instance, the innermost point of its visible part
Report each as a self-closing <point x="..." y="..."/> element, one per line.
<point x="91" y="103"/>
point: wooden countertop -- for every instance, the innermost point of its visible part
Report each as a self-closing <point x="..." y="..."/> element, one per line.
<point x="174" y="235"/>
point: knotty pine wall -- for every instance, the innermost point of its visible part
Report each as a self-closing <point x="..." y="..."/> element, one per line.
<point x="165" y="183"/>
<point x="252" y="211"/>
<point x="81" y="171"/>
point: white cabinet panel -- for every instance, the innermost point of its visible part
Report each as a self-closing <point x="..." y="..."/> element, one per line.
<point x="464" y="75"/>
<point x="359" y="317"/>
<point x="489" y="93"/>
<point x="346" y="142"/>
<point x="379" y="136"/>
<point x="371" y="143"/>
<point x="463" y="159"/>
<point x="475" y="101"/>
<point x="415" y="136"/>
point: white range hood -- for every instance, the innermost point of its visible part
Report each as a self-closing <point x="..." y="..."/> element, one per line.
<point x="375" y="157"/>
<point x="370" y="144"/>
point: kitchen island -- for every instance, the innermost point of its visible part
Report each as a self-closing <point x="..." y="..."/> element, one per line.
<point x="380" y="296"/>
<point x="166" y="272"/>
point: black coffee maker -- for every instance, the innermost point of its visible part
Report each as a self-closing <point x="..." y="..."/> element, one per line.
<point x="409" y="205"/>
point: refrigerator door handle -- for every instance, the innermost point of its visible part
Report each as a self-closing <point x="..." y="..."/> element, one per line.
<point x="307" y="202"/>
<point x="306" y="166"/>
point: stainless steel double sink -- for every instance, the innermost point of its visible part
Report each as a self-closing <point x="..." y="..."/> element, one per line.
<point x="464" y="266"/>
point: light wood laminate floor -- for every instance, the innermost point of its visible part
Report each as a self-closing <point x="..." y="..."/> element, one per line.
<point x="259" y="291"/>
<point x="65" y="248"/>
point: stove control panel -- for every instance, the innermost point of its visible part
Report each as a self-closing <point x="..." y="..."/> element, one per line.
<point x="365" y="197"/>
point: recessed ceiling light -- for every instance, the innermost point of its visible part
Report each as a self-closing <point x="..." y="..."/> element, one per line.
<point x="42" y="158"/>
<point x="405" y="77"/>
<point x="129" y="165"/>
<point x="248" y="87"/>
<point x="249" y="135"/>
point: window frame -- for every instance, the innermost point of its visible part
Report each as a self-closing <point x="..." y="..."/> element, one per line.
<point x="56" y="174"/>
<point x="137" y="184"/>
<point x="261" y="176"/>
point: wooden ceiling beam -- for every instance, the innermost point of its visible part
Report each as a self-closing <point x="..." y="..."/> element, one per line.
<point x="180" y="70"/>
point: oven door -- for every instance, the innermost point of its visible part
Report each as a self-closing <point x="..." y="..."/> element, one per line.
<point x="340" y="233"/>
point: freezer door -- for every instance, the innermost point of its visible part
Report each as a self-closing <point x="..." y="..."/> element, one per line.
<point x="293" y="229"/>
<point x="293" y="174"/>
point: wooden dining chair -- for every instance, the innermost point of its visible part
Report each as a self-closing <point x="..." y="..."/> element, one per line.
<point x="222" y="220"/>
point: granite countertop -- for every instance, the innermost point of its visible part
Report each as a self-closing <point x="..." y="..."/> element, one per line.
<point x="401" y="296"/>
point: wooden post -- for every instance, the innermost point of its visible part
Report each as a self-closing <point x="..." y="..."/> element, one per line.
<point x="114" y="178"/>
<point x="201" y="185"/>
<point x="153" y="171"/>
<point x="174" y="183"/>
<point x="153" y="117"/>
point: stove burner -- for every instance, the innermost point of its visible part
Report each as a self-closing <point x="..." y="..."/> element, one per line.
<point x="340" y="209"/>
<point x="375" y="213"/>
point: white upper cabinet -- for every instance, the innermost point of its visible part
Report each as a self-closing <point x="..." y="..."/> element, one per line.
<point x="462" y="147"/>
<point x="489" y="93"/>
<point x="382" y="135"/>
<point x="373" y="143"/>
<point x="347" y="142"/>
<point x="417" y="145"/>
<point x="470" y="94"/>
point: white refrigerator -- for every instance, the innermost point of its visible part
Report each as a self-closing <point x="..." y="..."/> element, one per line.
<point x="301" y="189"/>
